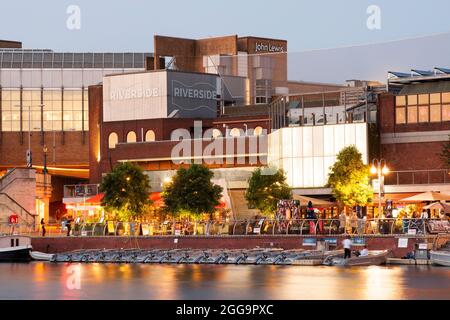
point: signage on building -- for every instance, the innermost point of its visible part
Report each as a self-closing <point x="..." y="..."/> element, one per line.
<point x="268" y="47"/>
<point x="133" y="93"/>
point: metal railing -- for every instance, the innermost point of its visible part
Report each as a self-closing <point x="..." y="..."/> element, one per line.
<point x="80" y="190"/>
<point x="394" y="226"/>
<point x="434" y="176"/>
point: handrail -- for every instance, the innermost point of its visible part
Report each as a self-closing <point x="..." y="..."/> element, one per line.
<point x="386" y="226"/>
<point x="16" y="203"/>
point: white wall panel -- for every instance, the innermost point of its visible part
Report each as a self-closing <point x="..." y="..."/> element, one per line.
<point x="307" y="153"/>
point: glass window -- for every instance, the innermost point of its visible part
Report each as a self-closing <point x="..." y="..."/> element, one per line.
<point x="435" y="98"/>
<point x="424" y="98"/>
<point x="412" y="100"/>
<point x="412" y="114"/>
<point x="150" y="135"/>
<point x="423" y="114"/>
<point x="131" y="137"/>
<point x="400" y="115"/>
<point x="400" y="100"/>
<point x="435" y="113"/>
<point x="235" y="132"/>
<point x="113" y="139"/>
<point x="258" y="131"/>
<point x="446" y="112"/>
<point x="446" y="97"/>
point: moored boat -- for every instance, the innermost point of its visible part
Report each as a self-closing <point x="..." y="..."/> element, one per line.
<point x="41" y="256"/>
<point x="15" y="249"/>
<point x="441" y="258"/>
<point x="375" y="257"/>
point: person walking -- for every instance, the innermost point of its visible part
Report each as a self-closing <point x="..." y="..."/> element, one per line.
<point x="69" y="226"/>
<point x="347" y="243"/>
<point x="43" y="227"/>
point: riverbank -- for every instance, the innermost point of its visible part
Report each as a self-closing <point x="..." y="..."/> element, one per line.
<point x="400" y="245"/>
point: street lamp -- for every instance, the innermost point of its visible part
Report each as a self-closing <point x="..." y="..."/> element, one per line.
<point x="45" y="166"/>
<point x="29" y="154"/>
<point x="379" y="167"/>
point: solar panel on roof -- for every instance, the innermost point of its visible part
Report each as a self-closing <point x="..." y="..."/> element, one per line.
<point x="400" y="74"/>
<point x="423" y="72"/>
<point x="443" y="70"/>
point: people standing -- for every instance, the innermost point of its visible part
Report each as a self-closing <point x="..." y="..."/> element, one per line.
<point x="69" y="226"/>
<point x="43" y="227"/>
<point x="347" y="243"/>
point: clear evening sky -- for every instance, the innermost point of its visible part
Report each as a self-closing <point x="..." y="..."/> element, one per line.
<point x="119" y="25"/>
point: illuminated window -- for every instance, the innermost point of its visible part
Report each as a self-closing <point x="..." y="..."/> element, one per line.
<point x="412" y="114"/>
<point x="150" y="136"/>
<point x="400" y="101"/>
<point x="400" y="115"/>
<point x="424" y="99"/>
<point x="412" y="100"/>
<point x="435" y="98"/>
<point x="131" y="137"/>
<point x="446" y="97"/>
<point x="424" y="113"/>
<point x="235" y="132"/>
<point x="216" y="133"/>
<point x="446" y="112"/>
<point x="258" y="131"/>
<point x="435" y="113"/>
<point x="113" y="139"/>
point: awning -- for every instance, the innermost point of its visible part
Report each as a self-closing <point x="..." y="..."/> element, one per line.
<point x="158" y="201"/>
<point x="427" y="196"/>
<point x="438" y="205"/>
<point x="315" y="202"/>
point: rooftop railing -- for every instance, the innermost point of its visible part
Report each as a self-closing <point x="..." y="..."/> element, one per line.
<point x="80" y="190"/>
<point x="404" y="177"/>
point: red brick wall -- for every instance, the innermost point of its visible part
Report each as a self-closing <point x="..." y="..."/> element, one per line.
<point x="54" y="245"/>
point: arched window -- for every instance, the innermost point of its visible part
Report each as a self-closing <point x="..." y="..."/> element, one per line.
<point x="150" y="136"/>
<point x="216" y="133"/>
<point x="235" y="132"/>
<point x="113" y="139"/>
<point x="131" y="137"/>
<point x="258" y="131"/>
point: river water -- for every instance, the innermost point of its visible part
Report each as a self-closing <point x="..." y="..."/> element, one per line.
<point x="43" y="280"/>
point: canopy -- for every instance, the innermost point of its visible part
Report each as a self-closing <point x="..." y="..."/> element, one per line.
<point x="315" y="202"/>
<point x="158" y="201"/>
<point x="427" y="196"/>
<point x="438" y="205"/>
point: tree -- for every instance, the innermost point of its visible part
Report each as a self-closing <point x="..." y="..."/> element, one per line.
<point x="126" y="189"/>
<point x="265" y="190"/>
<point x="445" y="155"/>
<point x="192" y="192"/>
<point x="349" y="178"/>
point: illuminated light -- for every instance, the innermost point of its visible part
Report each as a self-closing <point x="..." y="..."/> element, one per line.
<point x="373" y="170"/>
<point x="385" y="170"/>
<point x="128" y="178"/>
<point x="98" y="157"/>
<point x="167" y="180"/>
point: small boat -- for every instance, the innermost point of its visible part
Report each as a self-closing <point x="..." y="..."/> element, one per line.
<point x="375" y="257"/>
<point x="441" y="257"/>
<point x="41" y="256"/>
<point x="15" y="249"/>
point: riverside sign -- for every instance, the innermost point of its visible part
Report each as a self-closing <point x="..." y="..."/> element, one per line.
<point x="268" y="47"/>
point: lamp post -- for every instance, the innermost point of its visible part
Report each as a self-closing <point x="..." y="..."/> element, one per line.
<point x="379" y="167"/>
<point x="29" y="156"/>
<point x="45" y="166"/>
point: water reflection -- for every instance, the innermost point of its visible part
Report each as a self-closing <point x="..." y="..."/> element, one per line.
<point x="140" y="281"/>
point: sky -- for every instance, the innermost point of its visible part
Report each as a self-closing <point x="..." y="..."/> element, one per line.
<point x="119" y="25"/>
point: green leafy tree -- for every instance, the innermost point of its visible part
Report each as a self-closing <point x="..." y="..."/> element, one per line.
<point x="126" y="190"/>
<point x="349" y="178"/>
<point x="191" y="192"/>
<point x="265" y="187"/>
<point x="445" y="155"/>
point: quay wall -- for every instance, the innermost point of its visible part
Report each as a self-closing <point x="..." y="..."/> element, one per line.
<point x="64" y="244"/>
